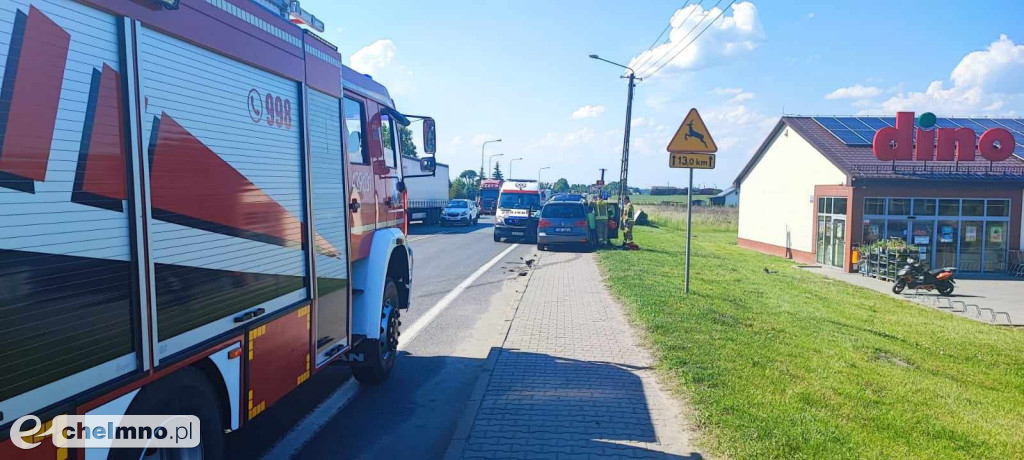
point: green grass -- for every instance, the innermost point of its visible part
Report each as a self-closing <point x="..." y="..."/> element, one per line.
<point x="658" y="199"/>
<point x="795" y="365"/>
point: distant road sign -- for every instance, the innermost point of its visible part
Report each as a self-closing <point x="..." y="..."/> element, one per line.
<point x="692" y="160"/>
<point x="692" y="136"/>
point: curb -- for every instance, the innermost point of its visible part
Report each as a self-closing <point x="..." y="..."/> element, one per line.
<point x="457" y="446"/>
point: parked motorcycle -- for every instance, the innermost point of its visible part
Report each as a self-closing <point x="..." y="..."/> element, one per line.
<point x="914" y="276"/>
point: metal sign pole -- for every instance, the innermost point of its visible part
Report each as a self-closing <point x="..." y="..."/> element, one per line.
<point x="689" y="231"/>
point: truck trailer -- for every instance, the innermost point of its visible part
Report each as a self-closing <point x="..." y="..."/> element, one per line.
<point x="201" y="208"/>
<point x="427" y="195"/>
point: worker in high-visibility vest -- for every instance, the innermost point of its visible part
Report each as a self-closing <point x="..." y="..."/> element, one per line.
<point x="627" y="222"/>
<point x="601" y="216"/>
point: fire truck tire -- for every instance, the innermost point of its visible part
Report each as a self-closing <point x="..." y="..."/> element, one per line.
<point x="187" y="392"/>
<point x="381" y="358"/>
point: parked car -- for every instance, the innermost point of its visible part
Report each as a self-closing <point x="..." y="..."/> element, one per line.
<point x="563" y="223"/>
<point x="566" y="197"/>
<point x="460" y="212"/>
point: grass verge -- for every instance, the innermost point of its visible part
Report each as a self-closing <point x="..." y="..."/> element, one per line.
<point x="795" y="365"/>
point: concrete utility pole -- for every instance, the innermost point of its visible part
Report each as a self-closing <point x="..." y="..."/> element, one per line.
<point x="624" y="170"/>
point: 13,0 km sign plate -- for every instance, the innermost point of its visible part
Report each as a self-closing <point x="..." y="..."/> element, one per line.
<point x="692" y="160"/>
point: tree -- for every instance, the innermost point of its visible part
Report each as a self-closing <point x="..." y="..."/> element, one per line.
<point x="463" y="188"/>
<point x="468" y="174"/>
<point x="405" y="138"/>
<point x="497" y="172"/>
<point x="561" y="186"/>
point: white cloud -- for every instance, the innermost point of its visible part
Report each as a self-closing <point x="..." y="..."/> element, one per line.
<point x="854" y="92"/>
<point x="982" y="83"/>
<point x="729" y="36"/>
<point x="373" y="57"/>
<point x="810" y="15"/>
<point x="588" y="111"/>
<point x="568" y="139"/>
<point x="727" y="91"/>
<point x="741" y="97"/>
<point x="380" y="60"/>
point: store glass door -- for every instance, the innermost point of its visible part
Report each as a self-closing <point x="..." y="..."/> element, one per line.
<point x="923" y="237"/>
<point x="946" y="246"/>
<point x="972" y="232"/>
<point x="827" y="241"/>
<point x="995" y="246"/>
<point x="838" y="242"/>
<point x="820" y="254"/>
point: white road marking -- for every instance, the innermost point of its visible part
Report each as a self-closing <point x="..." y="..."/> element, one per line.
<point x="410" y="334"/>
<point x="312" y="423"/>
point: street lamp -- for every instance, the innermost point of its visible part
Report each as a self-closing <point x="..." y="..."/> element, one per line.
<point x="510" y="166"/>
<point x="624" y="171"/>
<point x="538" y="174"/>
<point x="489" y="158"/>
<point x="483" y="173"/>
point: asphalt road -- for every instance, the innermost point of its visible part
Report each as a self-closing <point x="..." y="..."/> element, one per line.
<point x="457" y="312"/>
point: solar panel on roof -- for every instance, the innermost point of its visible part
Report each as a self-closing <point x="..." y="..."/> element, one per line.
<point x="873" y="122"/>
<point x="987" y="123"/>
<point x="864" y="128"/>
<point x="849" y="137"/>
<point x="851" y="123"/>
<point x="1016" y="125"/>
<point x="966" y="123"/>
<point x="829" y="123"/>
<point x="867" y="134"/>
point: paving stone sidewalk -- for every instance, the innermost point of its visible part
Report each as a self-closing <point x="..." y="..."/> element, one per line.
<point x="570" y="380"/>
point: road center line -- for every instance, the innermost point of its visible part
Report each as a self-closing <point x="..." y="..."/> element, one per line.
<point x="312" y="423"/>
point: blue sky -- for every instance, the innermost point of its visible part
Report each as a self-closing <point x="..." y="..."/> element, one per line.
<point x="519" y="71"/>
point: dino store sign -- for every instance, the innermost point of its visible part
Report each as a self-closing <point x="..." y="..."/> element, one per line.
<point x="941" y="144"/>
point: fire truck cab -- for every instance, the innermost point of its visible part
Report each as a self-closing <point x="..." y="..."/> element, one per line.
<point x="200" y="207"/>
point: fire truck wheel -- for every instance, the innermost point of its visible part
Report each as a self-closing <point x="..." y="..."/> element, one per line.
<point x="187" y="392"/>
<point x="382" y="357"/>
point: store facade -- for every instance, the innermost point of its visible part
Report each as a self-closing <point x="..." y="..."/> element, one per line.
<point x="812" y="173"/>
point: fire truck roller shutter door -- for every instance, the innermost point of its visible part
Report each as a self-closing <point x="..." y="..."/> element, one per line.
<point x="226" y="181"/>
<point x="330" y="220"/>
<point x="66" y="278"/>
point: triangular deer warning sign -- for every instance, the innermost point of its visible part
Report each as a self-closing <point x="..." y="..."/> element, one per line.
<point x="692" y="136"/>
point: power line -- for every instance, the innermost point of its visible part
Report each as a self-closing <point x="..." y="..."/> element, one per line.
<point x="662" y="34"/>
<point x="683" y="39"/>
<point x="694" y="38"/>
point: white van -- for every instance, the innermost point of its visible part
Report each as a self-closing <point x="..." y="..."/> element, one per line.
<point x="517" y="211"/>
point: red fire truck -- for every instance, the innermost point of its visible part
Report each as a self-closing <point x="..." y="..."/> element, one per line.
<point x="199" y="209"/>
<point x="487" y="200"/>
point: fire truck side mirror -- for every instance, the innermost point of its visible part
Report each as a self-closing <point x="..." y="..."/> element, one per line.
<point x="429" y="136"/>
<point x="428" y="164"/>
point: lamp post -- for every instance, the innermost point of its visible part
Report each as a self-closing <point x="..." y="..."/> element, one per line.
<point x="483" y="174"/>
<point x="538" y="174"/>
<point x="489" y="162"/>
<point x="624" y="171"/>
<point x="510" y="166"/>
